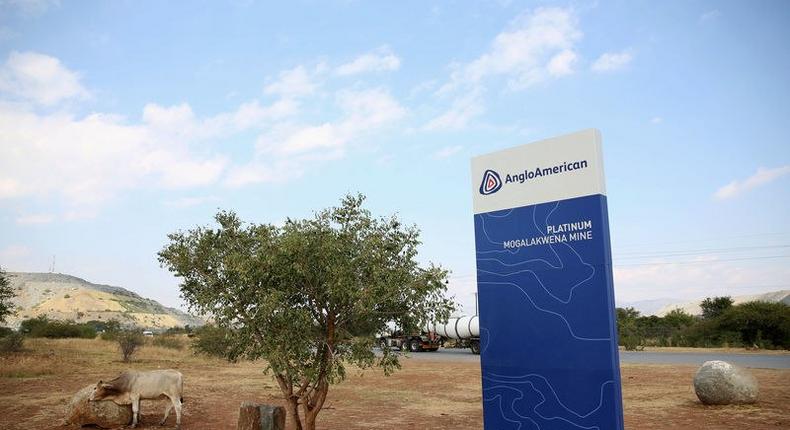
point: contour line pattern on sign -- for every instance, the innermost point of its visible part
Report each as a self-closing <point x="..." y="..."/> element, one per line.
<point x="546" y="391"/>
<point x="522" y="395"/>
<point x="561" y="265"/>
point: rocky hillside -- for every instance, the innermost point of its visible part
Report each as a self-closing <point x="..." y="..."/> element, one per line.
<point x="693" y="308"/>
<point x="66" y="297"/>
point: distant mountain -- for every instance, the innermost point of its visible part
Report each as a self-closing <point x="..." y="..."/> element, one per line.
<point x="66" y="297"/>
<point x="693" y="308"/>
<point x="648" y="307"/>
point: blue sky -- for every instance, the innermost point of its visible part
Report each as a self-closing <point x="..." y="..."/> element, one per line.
<point x="123" y="121"/>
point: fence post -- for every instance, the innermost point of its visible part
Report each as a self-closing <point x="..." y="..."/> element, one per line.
<point x="253" y="416"/>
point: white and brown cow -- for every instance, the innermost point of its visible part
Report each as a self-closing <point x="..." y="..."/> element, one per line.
<point x="131" y="386"/>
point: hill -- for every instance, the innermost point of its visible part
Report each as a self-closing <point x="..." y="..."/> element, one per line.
<point x="693" y="308"/>
<point x="66" y="297"/>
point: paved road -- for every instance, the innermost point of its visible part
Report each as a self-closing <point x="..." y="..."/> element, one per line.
<point x="763" y="361"/>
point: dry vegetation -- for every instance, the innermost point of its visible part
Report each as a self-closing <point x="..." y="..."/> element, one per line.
<point x="36" y="385"/>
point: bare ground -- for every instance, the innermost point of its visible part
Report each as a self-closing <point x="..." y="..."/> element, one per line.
<point x="36" y="385"/>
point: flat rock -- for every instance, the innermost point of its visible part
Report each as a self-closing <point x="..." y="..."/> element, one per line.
<point x="722" y="383"/>
<point x="102" y="413"/>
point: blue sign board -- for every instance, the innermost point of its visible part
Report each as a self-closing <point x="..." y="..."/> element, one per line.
<point x="544" y="276"/>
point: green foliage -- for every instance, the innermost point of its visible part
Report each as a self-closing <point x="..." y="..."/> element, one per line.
<point x="179" y="330"/>
<point x="44" y="327"/>
<point x="630" y="334"/>
<point x="129" y="341"/>
<point x="168" y="341"/>
<point x="109" y="328"/>
<point x="754" y="324"/>
<point x="5" y="331"/>
<point x="11" y="343"/>
<point x="714" y="307"/>
<point x="213" y="341"/>
<point x="6" y="294"/>
<point x="761" y="324"/>
<point x="308" y="296"/>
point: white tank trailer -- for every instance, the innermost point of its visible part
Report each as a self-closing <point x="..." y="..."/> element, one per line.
<point x="464" y="330"/>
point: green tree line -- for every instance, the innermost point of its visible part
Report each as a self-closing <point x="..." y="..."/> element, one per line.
<point x="752" y="325"/>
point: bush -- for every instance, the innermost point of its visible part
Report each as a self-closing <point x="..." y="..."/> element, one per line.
<point x="165" y="341"/>
<point x="129" y="341"/>
<point x="761" y="324"/>
<point x="5" y="331"/>
<point x="109" y="329"/>
<point x="43" y="327"/>
<point x="11" y="343"/>
<point x="213" y="341"/>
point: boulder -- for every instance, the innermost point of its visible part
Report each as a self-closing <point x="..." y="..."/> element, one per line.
<point x="103" y="413"/>
<point x="722" y="383"/>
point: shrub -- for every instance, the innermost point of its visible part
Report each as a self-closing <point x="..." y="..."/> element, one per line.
<point x="165" y="341"/>
<point x="761" y="324"/>
<point x="128" y="343"/>
<point x="43" y="327"/>
<point x="11" y="343"/>
<point x="110" y="329"/>
<point x="5" y="331"/>
<point x="213" y="341"/>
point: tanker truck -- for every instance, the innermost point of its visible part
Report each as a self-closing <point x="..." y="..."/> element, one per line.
<point x="415" y="342"/>
<point x="464" y="330"/>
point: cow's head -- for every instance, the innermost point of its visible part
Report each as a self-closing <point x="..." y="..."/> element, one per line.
<point x="101" y="391"/>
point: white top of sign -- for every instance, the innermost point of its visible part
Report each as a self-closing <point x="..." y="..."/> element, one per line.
<point x="554" y="169"/>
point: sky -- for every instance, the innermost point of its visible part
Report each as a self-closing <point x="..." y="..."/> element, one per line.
<point x="121" y="122"/>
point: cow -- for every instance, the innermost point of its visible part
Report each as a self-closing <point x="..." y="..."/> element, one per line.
<point x="131" y="386"/>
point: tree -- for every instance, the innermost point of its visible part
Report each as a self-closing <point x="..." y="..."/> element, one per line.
<point x="762" y="324"/>
<point x="627" y="328"/>
<point x="308" y="296"/>
<point x="714" y="307"/>
<point x="6" y="294"/>
<point x="129" y="341"/>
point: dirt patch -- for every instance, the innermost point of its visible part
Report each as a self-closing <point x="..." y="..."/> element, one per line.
<point x="35" y="387"/>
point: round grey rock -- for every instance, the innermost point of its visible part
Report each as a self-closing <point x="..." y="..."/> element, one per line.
<point x="103" y="413"/>
<point x="722" y="383"/>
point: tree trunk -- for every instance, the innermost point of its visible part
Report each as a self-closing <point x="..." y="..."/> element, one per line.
<point x="292" y="411"/>
<point x="291" y="403"/>
<point x="312" y="404"/>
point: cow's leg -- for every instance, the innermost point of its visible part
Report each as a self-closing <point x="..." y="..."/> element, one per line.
<point x="135" y="409"/>
<point x="167" y="412"/>
<point x="177" y="404"/>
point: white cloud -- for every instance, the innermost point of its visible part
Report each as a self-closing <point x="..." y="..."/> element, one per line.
<point x="656" y="120"/>
<point x="39" y="78"/>
<point x="464" y="108"/>
<point x="295" y="82"/>
<point x="562" y="63"/>
<point x="32" y="219"/>
<point x="761" y="177"/>
<point x="537" y="46"/>
<point x="447" y="151"/>
<point x="88" y="160"/>
<point x="612" y="61"/>
<point x="180" y="122"/>
<point x="284" y="151"/>
<point x="381" y="60"/>
<point x="706" y="276"/>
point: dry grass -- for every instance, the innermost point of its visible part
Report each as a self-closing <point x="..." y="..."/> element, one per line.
<point x="36" y="385"/>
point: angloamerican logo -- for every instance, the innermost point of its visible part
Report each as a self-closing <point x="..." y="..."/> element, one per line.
<point x="491" y="183"/>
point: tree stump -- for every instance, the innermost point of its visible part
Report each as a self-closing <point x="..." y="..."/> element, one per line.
<point x="253" y="416"/>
